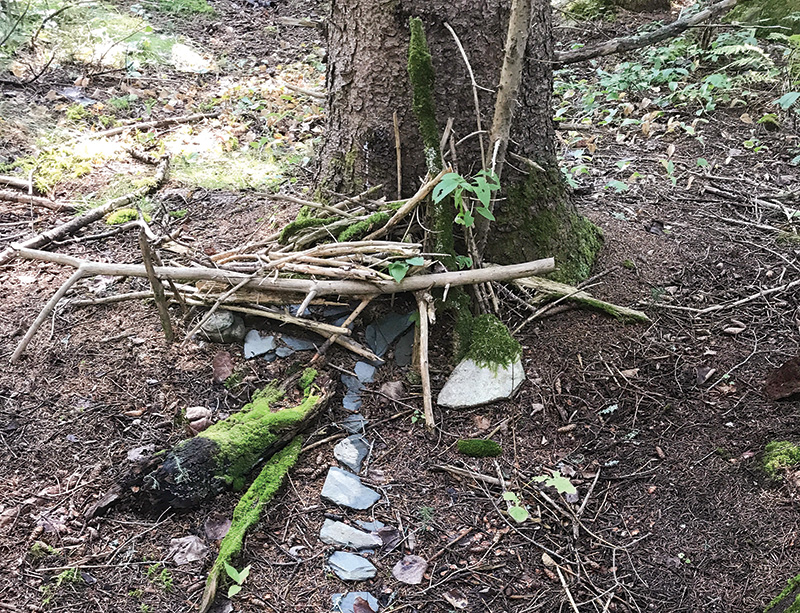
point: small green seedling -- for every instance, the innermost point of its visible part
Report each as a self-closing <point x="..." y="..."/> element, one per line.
<point x="398" y="270"/>
<point x="562" y="484"/>
<point x="515" y="508"/>
<point x="239" y="576"/>
<point x="482" y="186"/>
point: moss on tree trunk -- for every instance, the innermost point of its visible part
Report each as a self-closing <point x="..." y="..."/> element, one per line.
<point x="537" y="221"/>
<point x="768" y="13"/>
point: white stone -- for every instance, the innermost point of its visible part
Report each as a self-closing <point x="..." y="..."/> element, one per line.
<point x="471" y="385"/>
<point x="341" y="535"/>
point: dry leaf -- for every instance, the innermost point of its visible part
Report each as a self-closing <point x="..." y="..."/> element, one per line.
<point x="187" y="549"/>
<point x="410" y="570"/>
<point x="216" y="527"/>
<point x="362" y="606"/>
<point x="222" y="365"/>
<point x="547" y="560"/>
<point x="456" y="598"/>
<point x="481" y="422"/>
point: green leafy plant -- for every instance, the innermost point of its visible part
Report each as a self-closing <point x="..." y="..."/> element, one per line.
<point x="556" y="480"/>
<point x="669" y="166"/>
<point x="515" y="507"/>
<point x="238" y="576"/>
<point x="399" y="269"/>
<point x="481" y="186"/>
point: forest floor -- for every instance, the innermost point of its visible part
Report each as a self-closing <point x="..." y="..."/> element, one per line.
<point x="660" y="426"/>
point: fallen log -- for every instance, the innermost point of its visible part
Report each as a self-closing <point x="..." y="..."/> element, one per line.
<point x="222" y="456"/>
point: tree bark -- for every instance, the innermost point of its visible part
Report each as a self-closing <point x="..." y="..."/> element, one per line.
<point x="368" y="82"/>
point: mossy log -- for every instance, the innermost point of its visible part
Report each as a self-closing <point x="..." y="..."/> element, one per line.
<point x="788" y="601"/>
<point x="222" y="456"/>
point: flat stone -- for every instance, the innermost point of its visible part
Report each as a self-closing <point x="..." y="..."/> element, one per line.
<point x="351" y="567"/>
<point x="223" y="327"/>
<point x="255" y="344"/>
<point x="345" y="489"/>
<point x="298" y="344"/>
<point x="382" y="333"/>
<point x="404" y="348"/>
<point x="365" y="372"/>
<point x="352" y="451"/>
<point x="372" y="526"/>
<point x="284" y="352"/>
<point x="343" y="603"/>
<point x="471" y="385"/>
<point x="269" y="357"/>
<point x="341" y="535"/>
<point x="354" y="424"/>
<point x="353" y="384"/>
<point x="352" y="401"/>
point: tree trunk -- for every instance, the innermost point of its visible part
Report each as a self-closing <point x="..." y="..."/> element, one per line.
<point x="368" y="82"/>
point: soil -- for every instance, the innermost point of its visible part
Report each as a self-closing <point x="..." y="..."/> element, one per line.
<point x="674" y="513"/>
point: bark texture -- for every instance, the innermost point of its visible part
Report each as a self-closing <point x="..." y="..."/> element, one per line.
<point x="368" y="81"/>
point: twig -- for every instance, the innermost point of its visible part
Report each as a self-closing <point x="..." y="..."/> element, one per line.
<point x="213" y="309"/>
<point x="761" y="294"/>
<point x="398" y="152"/>
<point x="566" y="589"/>
<point x="427" y="401"/>
<point x="16" y="182"/>
<point x="146" y="125"/>
<point x="302" y="90"/>
<point x="43" y="314"/>
<point x="346" y="324"/>
<point x="10" y="196"/>
<point x="409" y="206"/>
<point x="306" y="301"/>
<point x="628" y="43"/>
<point x="157" y="287"/>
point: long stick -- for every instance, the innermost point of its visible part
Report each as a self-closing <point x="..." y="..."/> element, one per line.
<point x="43" y="314"/>
<point x="427" y="401"/>
<point x="409" y="206"/>
<point x="72" y="226"/>
<point x="510" y="78"/>
<point x="156" y="286"/>
<point x="628" y="43"/>
<point x="11" y="196"/>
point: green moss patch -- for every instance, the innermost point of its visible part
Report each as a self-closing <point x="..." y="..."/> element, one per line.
<point x="362" y="228"/>
<point x="479" y="448"/>
<point x="492" y="344"/>
<point x="779" y="455"/>
<point x="121" y="216"/>
<point x="791" y="591"/>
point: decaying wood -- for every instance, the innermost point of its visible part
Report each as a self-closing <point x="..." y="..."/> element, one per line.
<point x="72" y="226"/>
<point x="16" y="182"/>
<point x="562" y="290"/>
<point x="146" y="125"/>
<point x="629" y="43"/>
<point x="11" y="196"/>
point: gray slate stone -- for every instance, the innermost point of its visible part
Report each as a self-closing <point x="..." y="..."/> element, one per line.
<point x="351" y="451"/>
<point x="365" y="372"/>
<point x="382" y="333"/>
<point x="354" y="424"/>
<point x="223" y="327"/>
<point x="345" y="489"/>
<point x="298" y="344"/>
<point x="341" y="535"/>
<point x="353" y="384"/>
<point x="404" y="349"/>
<point x="471" y="385"/>
<point x="284" y="352"/>
<point x="351" y="567"/>
<point x="352" y="401"/>
<point x="372" y="526"/>
<point x="255" y="344"/>
<point x="343" y="603"/>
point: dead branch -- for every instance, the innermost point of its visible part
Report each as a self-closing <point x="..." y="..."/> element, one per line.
<point x="72" y="226"/>
<point x="323" y="288"/>
<point x="629" y="43"/>
<point x="156" y="286"/>
<point x="16" y="182"/>
<point x="10" y="196"/>
<point x="146" y="125"/>
<point x="423" y="308"/>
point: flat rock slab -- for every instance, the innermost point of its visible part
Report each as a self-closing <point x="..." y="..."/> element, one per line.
<point x="345" y="489"/>
<point x="351" y="452"/>
<point x="365" y="372"/>
<point x="298" y="344"/>
<point x="352" y="401"/>
<point x="354" y="424"/>
<point x="472" y="385"/>
<point x="382" y="333"/>
<point x="404" y="349"/>
<point x="343" y="603"/>
<point x="223" y="327"/>
<point x="340" y="534"/>
<point x="255" y="344"/>
<point x="351" y="567"/>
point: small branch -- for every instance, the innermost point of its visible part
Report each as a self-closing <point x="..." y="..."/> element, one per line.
<point x="45" y="312"/>
<point x="409" y="206"/>
<point x="398" y="152"/>
<point x="306" y="92"/>
<point x="16" y="182"/>
<point x="146" y="125"/>
<point x="346" y="324"/>
<point x="75" y="224"/>
<point x="427" y="401"/>
<point x="156" y="286"/>
<point x="628" y="43"/>
<point x="10" y="196"/>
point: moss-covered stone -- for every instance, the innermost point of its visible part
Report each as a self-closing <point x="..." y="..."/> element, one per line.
<point x="479" y="448"/>
<point x="779" y="455"/>
<point x="788" y="601"/>
<point x="536" y="221"/>
<point x="492" y="344"/>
